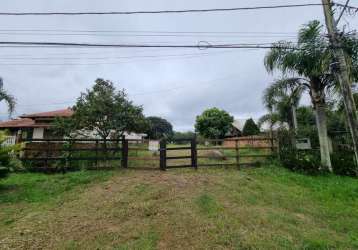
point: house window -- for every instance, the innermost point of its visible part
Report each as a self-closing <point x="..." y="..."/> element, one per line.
<point x="38" y="133"/>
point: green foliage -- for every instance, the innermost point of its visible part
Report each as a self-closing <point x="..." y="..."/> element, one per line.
<point x="5" y="96"/>
<point x="159" y="128"/>
<point x="343" y="163"/>
<point x="341" y="104"/>
<point x="281" y="96"/>
<point x="213" y="123"/>
<point x="307" y="125"/>
<point x="272" y="119"/>
<point x="302" y="161"/>
<point x="312" y="60"/>
<point x="7" y="155"/>
<point x="350" y="46"/>
<point x="250" y="128"/>
<point x="64" y="126"/>
<point x="308" y="161"/>
<point x="103" y="110"/>
<point x="182" y="135"/>
<point x="3" y="172"/>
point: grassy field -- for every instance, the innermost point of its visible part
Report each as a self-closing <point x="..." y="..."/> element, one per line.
<point x="263" y="208"/>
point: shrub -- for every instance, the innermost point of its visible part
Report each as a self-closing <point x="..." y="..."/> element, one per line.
<point x="7" y="155"/>
<point x="301" y="161"/>
<point x="250" y="128"/>
<point x="343" y="163"/>
<point x="3" y="172"/>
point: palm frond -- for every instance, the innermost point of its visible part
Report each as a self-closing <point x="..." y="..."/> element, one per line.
<point x="270" y="118"/>
<point x="311" y="33"/>
<point x="9" y="99"/>
<point x="281" y="57"/>
<point x="283" y="90"/>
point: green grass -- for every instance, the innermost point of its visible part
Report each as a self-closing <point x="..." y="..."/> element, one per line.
<point x="208" y="205"/>
<point x="146" y="241"/>
<point x="31" y="187"/>
<point x="261" y="208"/>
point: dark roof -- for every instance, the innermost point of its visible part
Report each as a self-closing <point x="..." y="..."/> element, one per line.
<point x="57" y="113"/>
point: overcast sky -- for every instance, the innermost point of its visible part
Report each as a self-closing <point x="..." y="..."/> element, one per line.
<point x="176" y="84"/>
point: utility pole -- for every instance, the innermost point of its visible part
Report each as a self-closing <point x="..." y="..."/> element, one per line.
<point x="342" y="73"/>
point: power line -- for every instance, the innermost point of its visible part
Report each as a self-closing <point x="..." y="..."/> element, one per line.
<point x="158" y="11"/>
<point x="342" y="12"/>
<point x="106" y="63"/>
<point x="149" y="35"/>
<point x="200" y="45"/>
<point x="145" y="31"/>
<point x="76" y="52"/>
<point x="346" y="6"/>
<point x="113" y="57"/>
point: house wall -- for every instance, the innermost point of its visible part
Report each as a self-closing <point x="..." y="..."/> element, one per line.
<point x="134" y="136"/>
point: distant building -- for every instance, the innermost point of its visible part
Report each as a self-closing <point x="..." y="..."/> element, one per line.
<point x="236" y="128"/>
<point x="38" y="126"/>
<point x="34" y="126"/>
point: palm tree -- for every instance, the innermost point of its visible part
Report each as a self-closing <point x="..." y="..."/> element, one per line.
<point x="282" y="97"/>
<point x="271" y="119"/>
<point x="310" y="59"/>
<point x="9" y="99"/>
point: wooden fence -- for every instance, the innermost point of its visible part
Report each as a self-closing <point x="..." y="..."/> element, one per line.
<point x="66" y="154"/>
<point x="223" y="152"/>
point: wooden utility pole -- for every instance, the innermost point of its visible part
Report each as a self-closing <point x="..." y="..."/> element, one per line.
<point x="342" y="74"/>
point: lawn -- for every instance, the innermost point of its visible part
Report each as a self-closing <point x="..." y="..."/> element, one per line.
<point x="261" y="208"/>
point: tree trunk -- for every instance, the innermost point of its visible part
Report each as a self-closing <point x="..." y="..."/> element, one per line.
<point x="321" y="122"/>
<point x="294" y="118"/>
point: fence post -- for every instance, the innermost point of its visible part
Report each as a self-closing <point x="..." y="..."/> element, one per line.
<point x="96" y="153"/>
<point x="47" y="153"/>
<point x="278" y="147"/>
<point x="163" y="154"/>
<point x="124" y="153"/>
<point x="194" y="158"/>
<point x="68" y="157"/>
<point x="237" y="153"/>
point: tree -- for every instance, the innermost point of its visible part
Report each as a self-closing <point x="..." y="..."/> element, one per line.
<point x="250" y="128"/>
<point x="281" y="98"/>
<point x="159" y="128"/>
<point x="105" y="111"/>
<point x="178" y="137"/>
<point x="271" y="119"/>
<point x="6" y="154"/>
<point x="9" y="99"/>
<point x="65" y="126"/>
<point x="310" y="60"/>
<point x="213" y="123"/>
